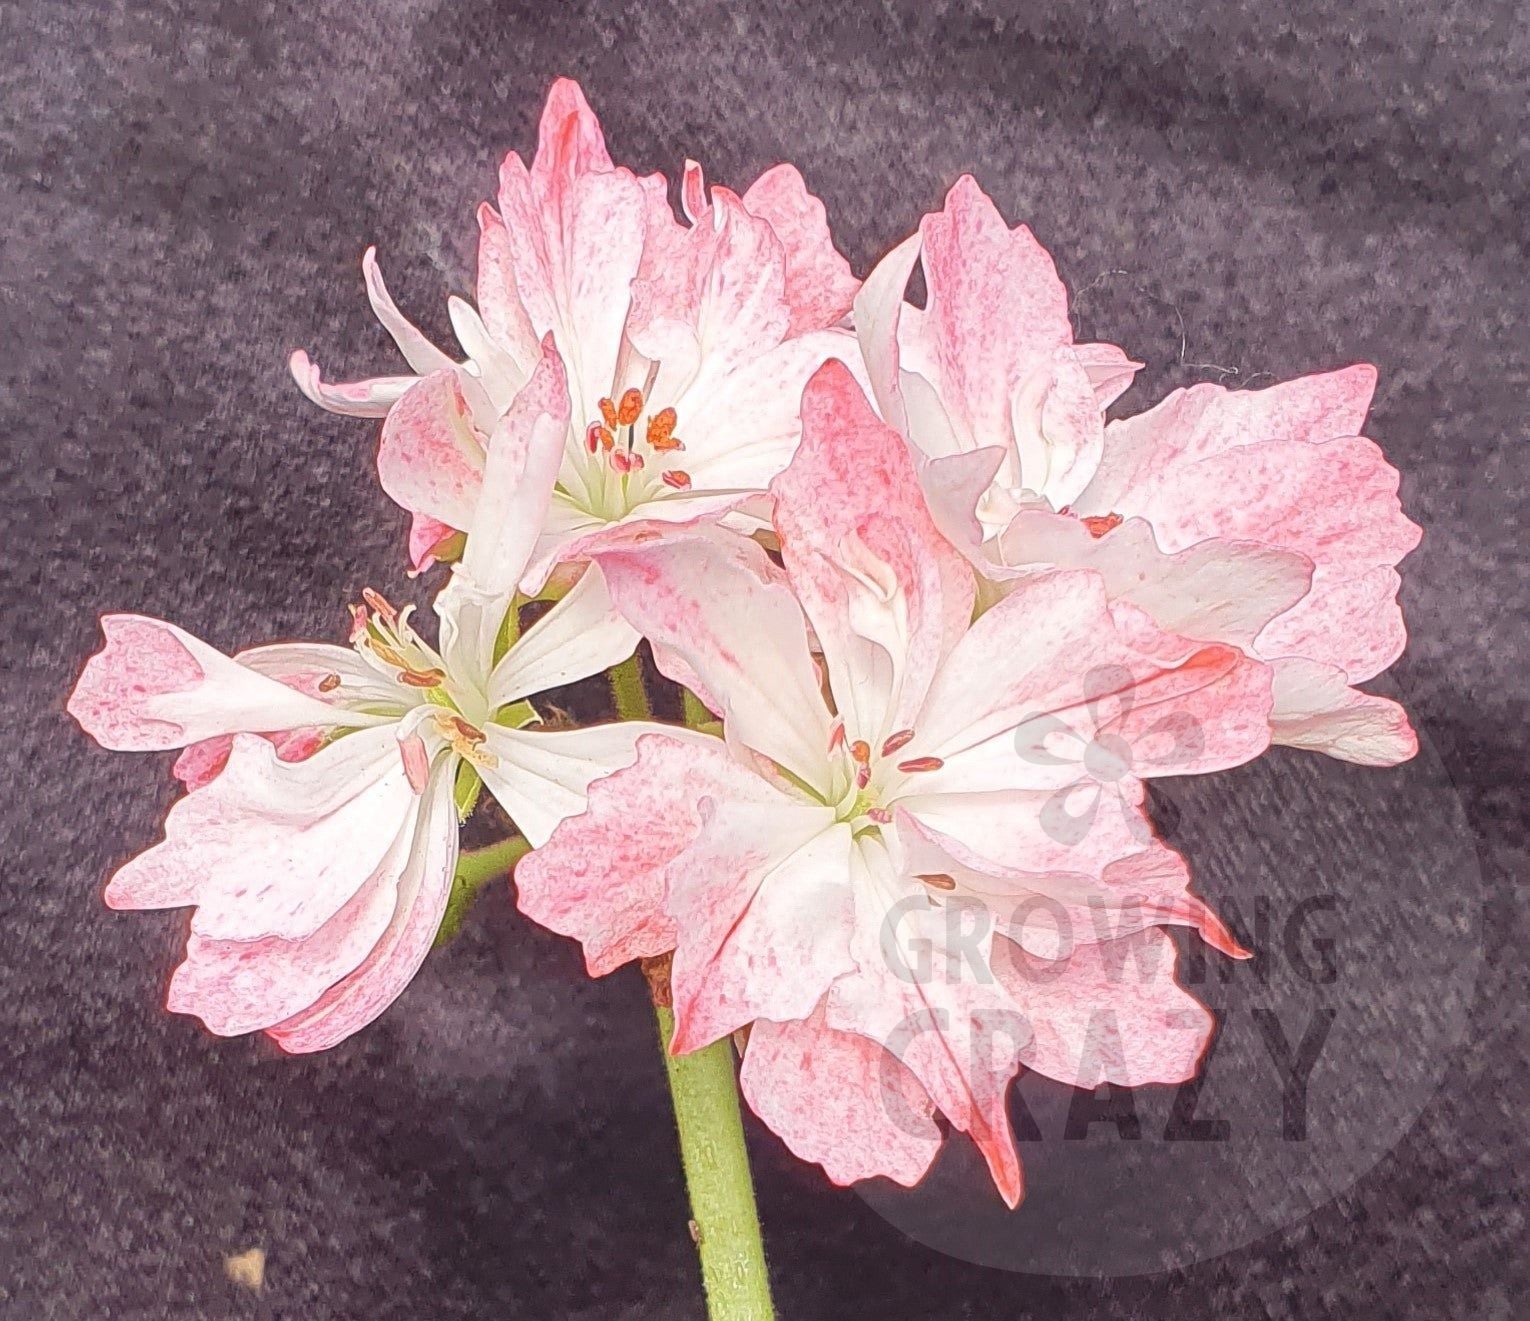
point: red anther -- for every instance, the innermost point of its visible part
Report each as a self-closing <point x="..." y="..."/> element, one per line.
<point x="938" y="880"/>
<point x="469" y="733"/>
<point x="1100" y="524"/>
<point x="681" y="481"/>
<point x="860" y="752"/>
<point x="661" y="430"/>
<point x="836" y="734"/>
<point x="422" y="678"/>
<point x="592" y="436"/>
<point x="636" y="460"/>
<point x="920" y="764"/>
<point x="358" y="621"/>
<point x="630" y="408"/>
<point x="895" y="741"/>
<point x="863" y="777"/>
<point x="379" y="603"/>
<point x="621" y="461"/>
<point x="329" y="683"/>
<point x="608" y="413"/>
<point x="880" y="815"/>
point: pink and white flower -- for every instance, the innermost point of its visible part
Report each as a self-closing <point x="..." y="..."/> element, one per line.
<point x="686" y="346"/>
<point x="851" y="877"/>
<point x="1262" y="518"/>
<point x="319" y="859"/>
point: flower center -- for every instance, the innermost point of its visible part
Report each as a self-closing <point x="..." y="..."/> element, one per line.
<point x="861" y="803"/>
<point x="631" y="456"/>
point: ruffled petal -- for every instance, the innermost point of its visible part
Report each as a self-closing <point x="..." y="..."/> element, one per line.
<point x="431" y="459"/>
<point x="819" y="284"/>
<point x="600" y="877"/>
<point x="886" y="594"/>
<point x="722" y="621"/>
<point x="840" y="1100"/>
<point x="421" y="895"/>
<point x="1316" y="708"/>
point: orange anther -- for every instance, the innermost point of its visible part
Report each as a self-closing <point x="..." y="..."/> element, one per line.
<point x="661" y="429"/>
<point x="422" y="678"/>
<point x="860" y="751"/>
<point x="938" y="880"/>
<point x="329" y="683"/>
<point x="681" y="481"/>
<point x="608" y="413"/>
<point x="630" y="408"/>
<point x="1100" y="524"/>
<point x="469" y="733"/>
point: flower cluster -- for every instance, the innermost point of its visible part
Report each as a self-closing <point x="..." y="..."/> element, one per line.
<point x="948" y="620"/>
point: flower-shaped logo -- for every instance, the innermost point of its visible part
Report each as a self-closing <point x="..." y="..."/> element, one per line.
<point x="1109" y="766"/>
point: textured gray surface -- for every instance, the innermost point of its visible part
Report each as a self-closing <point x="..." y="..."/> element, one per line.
<point x="187" y="188"/>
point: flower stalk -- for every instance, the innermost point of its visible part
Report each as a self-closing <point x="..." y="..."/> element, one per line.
<point x="725" y="1223"/>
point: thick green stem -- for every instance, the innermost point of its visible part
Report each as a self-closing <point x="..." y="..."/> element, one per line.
<point x="628" y="690"/>
<point x="724" y="1221"/>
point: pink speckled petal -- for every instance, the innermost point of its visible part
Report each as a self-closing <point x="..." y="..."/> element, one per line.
<point x="369" y="398"/>
<point x="1056" y="650"/>
<point x="879" y="308"/>
<point x="1110" y="371"/>
<point x="421" y="894"/>
<point x="541" y="776"/>
<point x="422" y="356"/>
<point x="887" y="595"/>
<point x="840" y="1100"/>
<point x="430" y="459"/>
<point x="722" y="621"/>
<point x="819" y="283"/>
<point x="600" y="875"/>
<point x="996" y="308"/>
<point x="274" y="848"/>
<point x="1316" y="708"/>
<point x="922" y="990"/>
<point x="763" y="908"/>
<point x="1109" y="1011"/>
<point x="154" y="686"/>
<point x="1215" y="591"/>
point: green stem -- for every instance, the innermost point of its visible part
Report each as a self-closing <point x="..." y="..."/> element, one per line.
<point x="696" y="713"/>
<point x="475" y="869"/>
<point x="628" y="690"/>
<point x="724" y="1221"/>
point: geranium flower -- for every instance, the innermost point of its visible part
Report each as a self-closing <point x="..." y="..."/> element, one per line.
<point x="1261" y="518"/>
<point x="851" y="879"/>
<point x="687" y="346"/>
<point x="319" y="859"/>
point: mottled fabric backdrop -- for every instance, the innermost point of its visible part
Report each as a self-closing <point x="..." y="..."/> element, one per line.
<point x="1236" y="192"/>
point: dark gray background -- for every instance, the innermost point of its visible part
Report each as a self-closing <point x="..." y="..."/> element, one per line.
<point x="187" y="189"/>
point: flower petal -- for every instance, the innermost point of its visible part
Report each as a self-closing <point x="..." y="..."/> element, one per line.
<point x="819" y="283"/>
<point x="541" y="776"/>
<point x="840" y="1100"/>
<point x="1316" y="708"/>
<point x="369" y="398"/>
<point x="422" y="356"/>
<point x="1110" y="1011"/>
<point x="722" y="621"/>
<point x="763" y="907"/>
<point x="153" y="686"/>
<point x="582" y="635"/>
<point x="600" y="876"/>
<point x="886" y="594"/>
<point x="421" y="895"/>
<point x="274" y="848"/>
<point x="430" y="459"/>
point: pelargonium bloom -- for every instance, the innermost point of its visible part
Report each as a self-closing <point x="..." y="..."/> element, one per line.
<point x="687" y="346"/>
<point x="852" y="877"/>
<point x="1261" y="518"/>
<point x="319" y="859"/>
